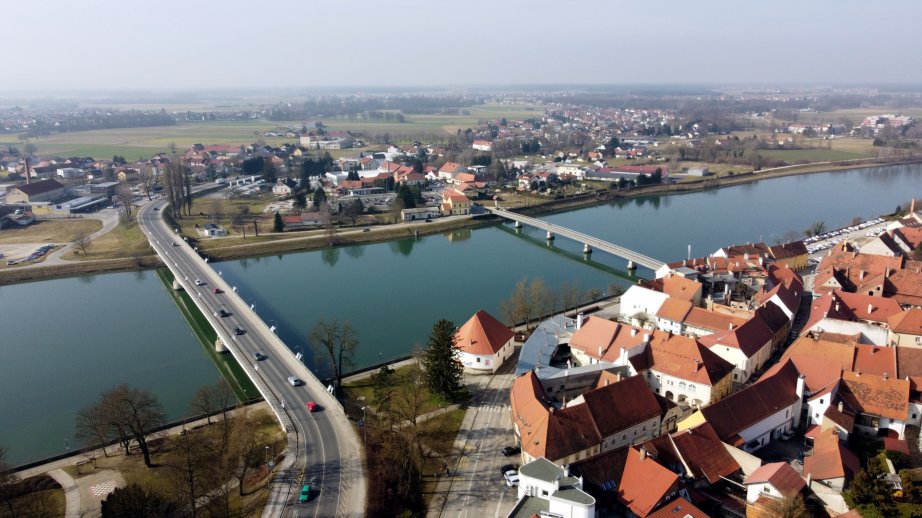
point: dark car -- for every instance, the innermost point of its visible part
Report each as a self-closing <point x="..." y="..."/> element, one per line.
<point x="511" y="450"/>
<point x="223" y="313"/>
<point x="505" y="468"/>
<point x="238" y="331"/>
<point x="258" y="356"/>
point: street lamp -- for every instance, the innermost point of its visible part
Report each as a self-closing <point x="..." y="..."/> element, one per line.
<point x="364" y="428"/>
<point x="267" y="457"/>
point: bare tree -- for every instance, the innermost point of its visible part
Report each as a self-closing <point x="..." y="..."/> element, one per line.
<point x="204" y="402"/>
<point x="123" y="193"/>
<point x="338" y="341"/>
<point x="123" y="413"/>
<point x="83" y="241"/>
<point x="245" y="451"/>
<point x="147" y="181"/>
<point x="528" y="301"/>
<point x="192" y="467"/>
<point x="8" y="481"/>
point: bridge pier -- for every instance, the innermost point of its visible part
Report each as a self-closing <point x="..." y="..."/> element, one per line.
<point x="518" y="224"/>
<point x="550" y="236"/>
<point x="587" y="249"/>
<point x="220" y="346"/>
<point x="631" y="266"/>
<point x="177" y="286"/>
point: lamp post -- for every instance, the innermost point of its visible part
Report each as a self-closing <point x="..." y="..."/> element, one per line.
<point x="267" y="457"/>
<point x="364" y="428"/>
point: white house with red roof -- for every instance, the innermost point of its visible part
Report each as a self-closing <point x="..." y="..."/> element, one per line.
<point x="777" y="480"/>
<point x="483" y="343"/>
<point x="482" y="145"/>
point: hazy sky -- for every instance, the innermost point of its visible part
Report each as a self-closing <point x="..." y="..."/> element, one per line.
<point x="190" y="44"/>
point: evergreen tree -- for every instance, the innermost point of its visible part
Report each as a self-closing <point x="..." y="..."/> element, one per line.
<point x="319" y="197"/>
<point x="278" y="224"/>
<point x="443" y="368"/>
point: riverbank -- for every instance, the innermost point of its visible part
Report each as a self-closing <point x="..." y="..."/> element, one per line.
<point x="318" y="240"/>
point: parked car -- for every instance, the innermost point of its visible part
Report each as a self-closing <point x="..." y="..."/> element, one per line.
<point x="505" y="468"/>
<point x="787" y="436"/>
<point x="512" y="478"/>
<point x="511" y="450"/>
<point x="294" y="381"/>
<point x="305" y="493"/>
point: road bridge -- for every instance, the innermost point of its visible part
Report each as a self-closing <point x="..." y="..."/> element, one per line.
<point x="321" y="444"/>
<point x="589" y="243"/>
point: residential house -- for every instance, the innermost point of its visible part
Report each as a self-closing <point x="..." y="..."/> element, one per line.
<point x="747" y="346"/>
<point x="645" y="484"/>
<point x="449" y="169"/>
<point x="419" y="213"/>
<point x="776" y="481"/>
<point x="684" y="371"/>
<point x="281" y="188"/>
<point x="831" y="462"/>
<point x="696" y="454"/>
<point x="483" y="343"/>
<point x="210" y="230"/>
<point x="639" y="305"/>
<point x="794" y="255"/>
<point x="482" y="145"/>
<point x="548" y="489"/>
<point x="905" y="328"/>
<point x="454" y="203"/>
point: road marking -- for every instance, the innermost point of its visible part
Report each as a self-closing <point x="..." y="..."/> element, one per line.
<point x="103" y="489"/>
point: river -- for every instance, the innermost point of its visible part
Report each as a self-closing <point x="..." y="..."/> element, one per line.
<point x="65" y="341"/>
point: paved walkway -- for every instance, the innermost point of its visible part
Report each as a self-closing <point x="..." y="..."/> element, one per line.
<point x="83" y="495"/>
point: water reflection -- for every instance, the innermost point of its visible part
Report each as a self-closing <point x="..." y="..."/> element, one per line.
<point x="356" y="251"/>
<point x="330" y="256"/>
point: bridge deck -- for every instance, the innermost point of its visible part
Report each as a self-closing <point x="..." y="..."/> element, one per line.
<point x="586" y="239"/>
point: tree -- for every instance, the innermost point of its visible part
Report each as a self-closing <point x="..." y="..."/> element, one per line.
<point x="339" y="342"/>
<point x="192" y="465"/>
<point x="8" y="482"/>
<point x="815" y="229"/>
<point x="384" y="386"/>
<point x="319" y="197"/>
<point x="123" y="193"/>
<point x="794" y="507"/>
<point x="278" y="225"/>
<point x="245" y="453"/>
<point x="300" y="200"/>
<point x="443" y="368"/>
<point x="352" y="209"/>
<point x="147" y="181"/>
<point x="869" y="490"/>
<point x="133" y="501"/>
<point x="83" y="241"/>
<point x="528" y="301"/>
<point x="123" y="413"/>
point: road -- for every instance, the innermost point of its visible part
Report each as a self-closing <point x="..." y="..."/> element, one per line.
<point x="475" y="487"/>
<point x="321" y="444"/>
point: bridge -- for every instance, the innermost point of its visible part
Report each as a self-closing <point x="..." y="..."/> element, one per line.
<point x="589" y="243"/>
<point x="322" y="444"/>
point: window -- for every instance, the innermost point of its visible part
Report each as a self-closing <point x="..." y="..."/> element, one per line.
<point x="765" y="489"/>
<point x="821" y="401"/>
<point x="478" y="360"/>
<point x="544" y="492"/>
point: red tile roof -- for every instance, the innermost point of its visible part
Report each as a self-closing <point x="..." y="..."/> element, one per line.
<point x="872" y="359"/>
<point x="780" y="475"/>
<point x="482" y="335"/>
<point x="645" y="483"/>
<point x="876" y="395"/>
<point x="684" y="358"/>
<point x="907" y="322"/>
<point x="830" y="458"/>
<point x="704" y="453"/>
<point x="621" y="405"/>
<point x="678" y="508"/>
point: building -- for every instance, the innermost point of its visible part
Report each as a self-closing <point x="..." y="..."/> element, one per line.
<point x="455" y="204"/>
<point x="211" y="230"/>
<point x="281" y="188"/>
<point x="546" y="489"/>
<point x="905" y="329"/>
<point x="482" y="145"/>
<point x="45" y="190"/>
<point x="483" y="343"/>
<point x="777" y="480"/>
<point x="419" y="213"/>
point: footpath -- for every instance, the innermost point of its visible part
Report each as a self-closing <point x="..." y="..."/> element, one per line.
<point x="84" y="493"/>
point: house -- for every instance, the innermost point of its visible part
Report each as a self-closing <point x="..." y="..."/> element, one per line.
<point x="747" y="346"/>
<point x="777" y="480"/>
<point x="752" y="417"/>
<point x="794" y="255"/>
<point x="483" y="343"/>
<point x="482" y="145"/>
<point x="684" y="371"/>
<point x="455" y="203"/>
<point x="548" y="489"/>
<point x="449" y="169"/>
<point x="211" y="230"/>
<point x="45" y="190"/>
<point x="831" y="463"/>
<point x="905" y="328"/>
<point x="639" y="305"/>
<point x="696" y="454"/>
<point x="645" y="484"/>
<point x="419" y="213"/>
<point x="281" y="188"/>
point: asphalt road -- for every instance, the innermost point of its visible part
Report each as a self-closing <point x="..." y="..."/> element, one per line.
<point x="321" y="444"/>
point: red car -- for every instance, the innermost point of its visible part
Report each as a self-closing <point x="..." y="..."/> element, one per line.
<point x="311" y="406"/>
<point x="217" y="290"/>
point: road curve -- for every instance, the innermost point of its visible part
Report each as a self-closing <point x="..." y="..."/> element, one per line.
<point x="321" y="444"/>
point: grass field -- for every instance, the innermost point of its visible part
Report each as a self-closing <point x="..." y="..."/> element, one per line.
<point x="58" y="231"/>
<point x="135" y="143"/>
<point x="810" y="155"/>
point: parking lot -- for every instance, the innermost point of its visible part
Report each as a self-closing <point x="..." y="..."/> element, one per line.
<point x="792" y="451"/>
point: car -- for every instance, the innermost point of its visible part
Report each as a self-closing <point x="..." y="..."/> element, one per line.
<point x="198" y="282"/>
<point x="315" y="482"/>
<point x="511" y="450"/>
<point x="294" y="381"/>
<point x="305" y="493"/>
<point x="173" y="244"/>
<point x="505" y="468"/>
<point x="223" y="313"/>
<point x="238" y="331"/>
<point x="156" y="208"/>
<point x="258" y="356"/>
<point x="366" y="229"/>
<point x="512" y="478"/>
<point x="217" y="290"/>
<point x="311" y="406"/>
<point x="787" y="436"/>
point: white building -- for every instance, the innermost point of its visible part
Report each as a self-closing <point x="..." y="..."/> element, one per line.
<point x="546" y="489"/>
<point x="638" y="301"/>
<point x="483" y="343"/>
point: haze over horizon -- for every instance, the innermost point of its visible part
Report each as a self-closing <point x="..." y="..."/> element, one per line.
<point x="113" y="45"/>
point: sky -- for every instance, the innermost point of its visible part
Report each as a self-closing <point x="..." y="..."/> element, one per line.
<point x="202" y="44"/>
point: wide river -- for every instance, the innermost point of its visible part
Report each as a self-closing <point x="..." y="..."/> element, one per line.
<point x="62" y="342"/>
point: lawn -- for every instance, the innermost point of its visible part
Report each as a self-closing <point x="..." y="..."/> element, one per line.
<point x="809" y="155"/>
<point x="120" y="242"/>
<point x="58" y="231"/>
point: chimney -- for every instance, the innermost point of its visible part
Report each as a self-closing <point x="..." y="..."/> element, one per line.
<point x="746" y="256"/>
<point x="697" y="365"/>
<point x="643" y="453"/>
<point x="618" y="376"/>
<point x="840" y="406"/>
<point x="580" y="318"/>
<point x="646" y="338"/>
<point x="730" y="326"/>
<point x="870" y="308"/>
<point x="887" y="272"/>
<point x="566" y="470"/>
<point x="837" y="307"/>
<point x="809" y="479"/>
<point x="633" y="331"/>
<point x="600" y="351"/>
<point x="861" y="275"/>
<point x="607" y="381"/>
<point x="886" y="376"/>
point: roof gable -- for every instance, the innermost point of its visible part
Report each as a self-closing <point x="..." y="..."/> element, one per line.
<point x="482" y="334"/>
